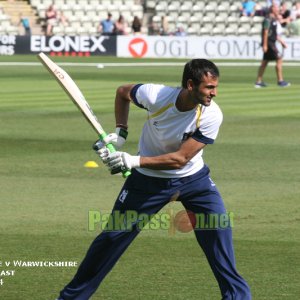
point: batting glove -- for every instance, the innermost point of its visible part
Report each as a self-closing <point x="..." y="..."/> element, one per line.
<point x="104" y="154"/>
<point x="118" y="161"/>
<point x="117" y="139"/>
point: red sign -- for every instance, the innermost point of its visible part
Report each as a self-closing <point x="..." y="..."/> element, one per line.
<point x="137" y="47"/>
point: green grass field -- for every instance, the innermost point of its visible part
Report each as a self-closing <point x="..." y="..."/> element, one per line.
<point x="46" y="192"/>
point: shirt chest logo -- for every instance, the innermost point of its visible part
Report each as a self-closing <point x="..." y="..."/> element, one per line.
<point x="155" y="124"/>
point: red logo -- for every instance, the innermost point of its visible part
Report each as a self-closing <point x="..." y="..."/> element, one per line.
<point x="138" y="47"/>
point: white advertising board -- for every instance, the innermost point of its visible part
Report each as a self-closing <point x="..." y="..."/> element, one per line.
<point x="216" y="47"/>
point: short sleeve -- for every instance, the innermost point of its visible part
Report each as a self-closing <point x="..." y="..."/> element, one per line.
<point x="210" y="122"/>
<point x="266" y="23"/>
<point x="148" y="96"/>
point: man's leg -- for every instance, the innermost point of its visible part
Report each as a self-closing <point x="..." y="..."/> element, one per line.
<point x="140" y="194"/>
<point x="261" y="70"/>
<point x="202" y="197"/>
<point x="278" y="69"/>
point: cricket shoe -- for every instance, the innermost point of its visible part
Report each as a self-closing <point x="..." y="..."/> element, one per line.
<point x="283" y="83"/>
<point x="259" y="85"/>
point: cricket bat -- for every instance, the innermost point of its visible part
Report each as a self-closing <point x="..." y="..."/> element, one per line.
<point x="70" y="87"/>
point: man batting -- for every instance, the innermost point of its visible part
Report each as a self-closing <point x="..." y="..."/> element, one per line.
<point x="181" y="122"/>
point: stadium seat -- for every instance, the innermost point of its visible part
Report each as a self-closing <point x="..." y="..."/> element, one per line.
<point x="234" y="10"/>
<point x="57" y="30"/>
<point x="70" y="30"/>
<point x="161" y="9"/>
<point x="220" y="19"/>
<point x="217" y="31"/>
<point x="257" y="26"/>
<point x="230" y="31"/>
<point x="150" y="4"/>
<point x="207" y="19"/>
<point x="186" y="9"/>
<point x="223" y="7"/>
<point x="194" y="19"/>
<point x="117" y="2"/>
<point x="182" y="19"/>
<point x="205" y="31"/>
<point x="198" y="7"/>
<point x="11" y="30"/>
<point x="257" y="19"/>
<point x="192" y="31"/>
<point x="233" y="19"/>
<point x="245" y="20"/>
<point x="105" y="3"/>
<point x="170" y="19"/>
<point x="173" y="10"/>
<point x="246" y="26"/>
<point x="255" y="31"/>
<point x="196" y="26"/>
<point x="243" y="31"/>
<point x="94" y="3"/>
<point x="233" y="27"/>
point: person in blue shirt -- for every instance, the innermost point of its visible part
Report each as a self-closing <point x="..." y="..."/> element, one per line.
<point x="26" y="24"/>
<point x="106" y="27"/>
<point x="248" y="8"/>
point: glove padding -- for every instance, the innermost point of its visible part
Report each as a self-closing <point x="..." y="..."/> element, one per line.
<point x="118" y="161"/>
<point x="117" y="139"/>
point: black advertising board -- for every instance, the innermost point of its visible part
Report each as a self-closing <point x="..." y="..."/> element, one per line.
<point x="60" y="45"/>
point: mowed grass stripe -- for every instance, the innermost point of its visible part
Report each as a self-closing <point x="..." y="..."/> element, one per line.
<point x="46" y="192"/>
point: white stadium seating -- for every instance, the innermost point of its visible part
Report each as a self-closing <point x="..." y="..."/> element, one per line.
<point x="204" y="17"/>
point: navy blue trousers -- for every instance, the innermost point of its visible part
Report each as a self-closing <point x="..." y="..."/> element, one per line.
<point x="148" y="195"/>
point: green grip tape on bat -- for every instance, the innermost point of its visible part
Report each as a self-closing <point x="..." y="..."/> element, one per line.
<point x="111" y="148"/>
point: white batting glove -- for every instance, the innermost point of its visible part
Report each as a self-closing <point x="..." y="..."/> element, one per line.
<point x="104" y="154"/>
<point x="118" y="161"/>
<point x="117" y="139"/>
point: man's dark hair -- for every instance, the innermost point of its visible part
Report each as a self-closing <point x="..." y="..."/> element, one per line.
<point x="196" y="69"/>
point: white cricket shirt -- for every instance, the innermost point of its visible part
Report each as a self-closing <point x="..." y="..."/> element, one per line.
<point x="166" y="127"/>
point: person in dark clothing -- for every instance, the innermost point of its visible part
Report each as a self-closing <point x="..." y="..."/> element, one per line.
<point x="270" y="51"/>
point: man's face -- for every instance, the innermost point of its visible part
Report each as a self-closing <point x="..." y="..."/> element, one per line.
<point x="275" y="10"/>
<point x="205" y="91"/>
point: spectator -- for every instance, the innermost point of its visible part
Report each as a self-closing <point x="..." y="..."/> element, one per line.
<point x="164" y="26"/>
<point x="260" y="10"/>
<point x="26" y="24"/>
<point x="180" y="31"/>
<point x="294" y="25"/>
<point x="120" y="26"/>
<point x="275" y="2"/>
<point x="153" y="27"/>
<point x="284" y="15"/>
<point x="295" y="13"/>
<point x="136" y="25"/>
<point x="51" y="19"/>
<point x="106" y="27"/>
<point x="248" y="8"/>
<point x="62" y="19"/>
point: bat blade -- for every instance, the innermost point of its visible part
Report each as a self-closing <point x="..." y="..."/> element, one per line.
<point x="70" y="87"/>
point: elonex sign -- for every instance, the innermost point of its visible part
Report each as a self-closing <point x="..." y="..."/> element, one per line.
<point x="68" y="43"/>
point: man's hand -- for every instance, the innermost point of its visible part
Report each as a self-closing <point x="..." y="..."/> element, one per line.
<point x="265" y="48"/>
<point x="284" y="45"/>
<point x="117" y="139"/>
<point x="118" y="161"/>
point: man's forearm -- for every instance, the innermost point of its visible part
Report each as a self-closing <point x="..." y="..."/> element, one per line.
<point x="168" y="161"/>
<point x="122" y="102"/>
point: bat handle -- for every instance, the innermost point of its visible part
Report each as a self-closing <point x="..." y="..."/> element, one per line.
<point x="111" y="148"/>
<point x="124" y="171"/>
